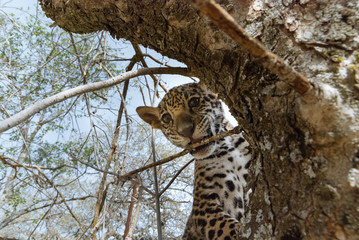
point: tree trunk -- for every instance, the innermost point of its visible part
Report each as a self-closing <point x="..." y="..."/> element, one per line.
<point x="305" y="182"/>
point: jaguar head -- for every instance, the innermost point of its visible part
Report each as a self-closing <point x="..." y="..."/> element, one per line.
<point x="187" y="114"/>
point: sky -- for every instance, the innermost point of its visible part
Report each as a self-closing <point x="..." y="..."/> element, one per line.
<point x="14" y="6"/>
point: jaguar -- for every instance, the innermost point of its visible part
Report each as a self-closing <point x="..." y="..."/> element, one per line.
<point x="188" y="114"/>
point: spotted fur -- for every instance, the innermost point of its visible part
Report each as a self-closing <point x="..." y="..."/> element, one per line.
<point x="188" y="114"/>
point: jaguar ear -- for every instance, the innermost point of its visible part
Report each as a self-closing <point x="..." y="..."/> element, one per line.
<point x="150" y="115"/>
<point x="202" y="85"/>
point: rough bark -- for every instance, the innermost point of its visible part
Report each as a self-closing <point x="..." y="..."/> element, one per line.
<point x="307" y="145"/>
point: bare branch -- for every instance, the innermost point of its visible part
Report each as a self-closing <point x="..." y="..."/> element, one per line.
<point x="42" y="218"/>
<point x="274" y="63"/>
<point x="101" y="193"/>
<point x="63" y="198"/>
<point x="130" y="210"/>
<point x="175" y="176"/>
<point x="235" y="130"/>
<point x="120" y="177"/>
<point x="78" y="58"/>
<point x="135" y="216"/>
<point x="46" y="179"/>
<point x="14" y="165"/>
<point x="30" y="209"/>
<point x="47" y="102"/>
<point x="154" y="78"/>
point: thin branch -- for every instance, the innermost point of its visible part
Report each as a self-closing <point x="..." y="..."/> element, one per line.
<point x="102" y="218"/>
<point x="143" y="95"/>
<point x="101" y="194"/>
<point x="175" y="176"/>
<point x="84" y="232"/>
<point x="123" y="103"/>
<point x="155" y="60"/>
<point x="78" y="58"/>
<point x="14" y="165"/>
<point x="157" y="194"/>
<point x="24" y="211"/>
<point x="142" y="60"/>
<point x="274" y="63"/>
<point x="130" y="210"/>
<point x="46" y="179"/>
<point x="101" y="60"/>
<point x="63" y="198"/>
<point x="87" y="100"/>
<point x="47" y="102"/>
<point x="235" y="130"/>
<point x="120" y="177"/>
<point x="129" y="175"/>
<point x="135" y="216"/>
<point x="42" y="218"/>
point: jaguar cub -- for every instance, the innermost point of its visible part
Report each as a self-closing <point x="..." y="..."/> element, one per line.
<point x="187" y="114"/>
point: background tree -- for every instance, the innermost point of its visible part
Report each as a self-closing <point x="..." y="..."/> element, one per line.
<point x="54" y="164"/>
<point x="305" y="179"/>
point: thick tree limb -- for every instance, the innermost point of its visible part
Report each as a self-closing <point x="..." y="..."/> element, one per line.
<point x="274" y="63"/>
<point x="47" y="102"/>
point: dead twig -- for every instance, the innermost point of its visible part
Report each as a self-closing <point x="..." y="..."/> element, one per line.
<point x="274" y="63"/>
<point x="140" y="54"/>
<point x="192" y="147"/>
<point x="120" y="177"/>
<point x="135" y="216"/>
<point x="15" y="165"/>
<point x="175" y="176"/>
<point x="130" y="210"/>
<point x="43" y="176"/>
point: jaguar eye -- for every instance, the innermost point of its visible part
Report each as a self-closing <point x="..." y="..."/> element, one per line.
<point x="194" y="102"/>
<point x="166" y="118"/>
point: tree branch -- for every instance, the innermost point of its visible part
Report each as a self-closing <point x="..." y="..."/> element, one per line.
<point x="235" y="130"/>
<point x="15" y="165"/>
<point x="135" y="216"/>
<point x="175" y="176"/>
<point x="47" y="102"/>
<point x="120" y="177"/>
<point x="144" y="64"/>
<point x="114" y="146"/>
<point x="274" y="63"/>
<point x="130" y="210"/>
<point x="31" y="208"/>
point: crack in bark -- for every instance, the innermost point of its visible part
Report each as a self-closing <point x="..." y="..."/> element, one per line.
<point x="274" y="223"/>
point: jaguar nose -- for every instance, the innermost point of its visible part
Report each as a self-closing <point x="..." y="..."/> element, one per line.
<point x="185" y="126"/>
